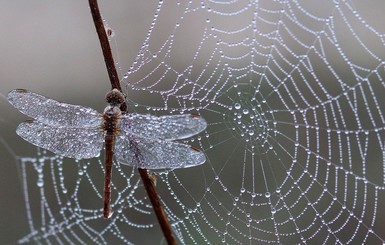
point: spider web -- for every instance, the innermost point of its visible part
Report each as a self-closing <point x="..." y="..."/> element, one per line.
<point x="293" y="95"/>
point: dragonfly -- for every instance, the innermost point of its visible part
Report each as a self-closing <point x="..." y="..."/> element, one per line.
<point x="139" y="140"/>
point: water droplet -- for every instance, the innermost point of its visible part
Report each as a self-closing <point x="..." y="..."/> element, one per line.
<point x="237" y="106"/>
<point x="267" y="194"/>
<point x="245" y="111"/>
<point x="40" y="183"/>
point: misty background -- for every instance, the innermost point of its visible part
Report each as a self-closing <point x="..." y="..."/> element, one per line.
<point x="51" y="48"/>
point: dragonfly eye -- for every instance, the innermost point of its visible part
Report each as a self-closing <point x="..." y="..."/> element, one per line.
<point x="115" y="97"/>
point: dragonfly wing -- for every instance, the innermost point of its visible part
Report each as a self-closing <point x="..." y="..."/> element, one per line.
<point x="79" y="143"/>
<point x="155" y="153"/>
<point x="51" y="112"/>
<point x="164" y="127"/>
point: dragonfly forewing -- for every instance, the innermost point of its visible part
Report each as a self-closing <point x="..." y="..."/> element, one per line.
<point x="156" y="153"/>
<point x="170" y="127"/>
<point x="52" y="112"/>
<point x="78" y="143"/>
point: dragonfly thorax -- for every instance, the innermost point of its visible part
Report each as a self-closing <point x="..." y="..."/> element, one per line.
<point x="111" y="111"/>
<point x="111" y="118"/>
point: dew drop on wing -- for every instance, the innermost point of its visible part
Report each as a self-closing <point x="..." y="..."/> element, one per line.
<point x="156" y="154"/>
<point x="78" y="143"/>
<point x="52" y="112"/>
<point x="171" y="127"/>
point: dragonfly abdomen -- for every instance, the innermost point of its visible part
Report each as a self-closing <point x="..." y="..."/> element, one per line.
<point x="111" y="121"/>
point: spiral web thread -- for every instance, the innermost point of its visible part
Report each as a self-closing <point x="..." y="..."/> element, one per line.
<point x="293" y="95"/>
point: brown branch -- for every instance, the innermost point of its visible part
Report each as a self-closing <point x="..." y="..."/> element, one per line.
<point x="105" y="44"/>
<point x="114" y="79"/>
<point x="157" y="205"/>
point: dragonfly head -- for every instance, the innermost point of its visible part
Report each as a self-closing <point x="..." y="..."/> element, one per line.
<point x="115" y="97"/>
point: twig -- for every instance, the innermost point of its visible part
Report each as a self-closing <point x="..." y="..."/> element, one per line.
<point x="108" y="58"/>
<point x="157" y="205"/>
<point x="114" y="79"/>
